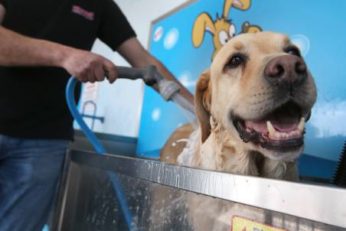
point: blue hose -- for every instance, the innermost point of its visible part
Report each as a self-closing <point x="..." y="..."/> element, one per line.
<point x="99" y="149"/>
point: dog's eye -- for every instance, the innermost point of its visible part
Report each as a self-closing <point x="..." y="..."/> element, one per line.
<point x="235" y="61"/>
<point x="292" y="50"/>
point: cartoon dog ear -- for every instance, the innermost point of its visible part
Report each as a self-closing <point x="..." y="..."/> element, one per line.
<point x="202" y="104"/>
<point x="238" y="4"/>
<point x="248" y="28"/>
<point x="202" y="24"/>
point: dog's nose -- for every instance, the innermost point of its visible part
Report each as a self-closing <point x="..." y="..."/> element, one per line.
<point x="286" y="70"/>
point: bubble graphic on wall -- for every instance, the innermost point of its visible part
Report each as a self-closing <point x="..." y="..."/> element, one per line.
<point x="179" y="125"/>
<point x="158" y="34"/>
<point x="302" y="42"/>
<point x="171" y="39"/>
<point x="156" y="114"/>
<point x="186" y="79"/>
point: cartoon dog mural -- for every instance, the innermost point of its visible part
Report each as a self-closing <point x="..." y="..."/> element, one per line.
<point x="222" y="29"/>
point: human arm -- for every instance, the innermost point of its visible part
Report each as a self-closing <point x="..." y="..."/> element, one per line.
<point x="116" y="31"/>
<point x="2" y="13"/>
<point x="138" y="56"/>
<point x="20" y="50"/>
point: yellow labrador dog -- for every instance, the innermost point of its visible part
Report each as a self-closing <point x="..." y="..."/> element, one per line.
<point x="252" y="106"/>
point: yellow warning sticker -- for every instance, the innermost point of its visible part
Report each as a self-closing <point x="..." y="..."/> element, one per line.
<point x="243" y="224"/>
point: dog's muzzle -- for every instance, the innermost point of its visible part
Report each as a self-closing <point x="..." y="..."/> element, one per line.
<point x="280" y="128"/>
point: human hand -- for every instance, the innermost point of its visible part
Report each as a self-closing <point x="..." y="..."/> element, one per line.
<point x="89" y="67"/>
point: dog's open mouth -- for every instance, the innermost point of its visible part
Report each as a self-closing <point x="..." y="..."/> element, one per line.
<point x="282" y="129"/>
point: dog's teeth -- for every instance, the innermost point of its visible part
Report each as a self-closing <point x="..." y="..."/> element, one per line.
<point x="301" y="124"/>
<point x="270" y="128"/>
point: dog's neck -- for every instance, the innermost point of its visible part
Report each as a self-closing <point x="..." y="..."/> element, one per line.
<point x="220" y="152"/>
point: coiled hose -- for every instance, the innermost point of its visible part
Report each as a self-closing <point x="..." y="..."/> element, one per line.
<point x="116" y="184"/>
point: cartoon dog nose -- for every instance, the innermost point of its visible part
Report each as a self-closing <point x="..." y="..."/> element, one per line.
<point x="286" y="70"/>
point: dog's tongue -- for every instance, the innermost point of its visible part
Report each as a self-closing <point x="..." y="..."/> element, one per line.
<point x="285" y="124"/>
<point x="281" y="124"/>
<point x="284" y="119"/>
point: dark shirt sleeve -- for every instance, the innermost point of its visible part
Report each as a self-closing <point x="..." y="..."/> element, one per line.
<point x="114" y="27"/>
<point x="3" y="2"/>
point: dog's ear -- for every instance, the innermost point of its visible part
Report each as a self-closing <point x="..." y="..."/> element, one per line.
<point x="202" y="104"/>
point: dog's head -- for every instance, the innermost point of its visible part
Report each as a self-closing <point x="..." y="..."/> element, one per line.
<point x="260" y="90"/>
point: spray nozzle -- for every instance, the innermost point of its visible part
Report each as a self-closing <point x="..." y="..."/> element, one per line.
<point x="151" y="77"/>
<point x="167" y="89"/>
